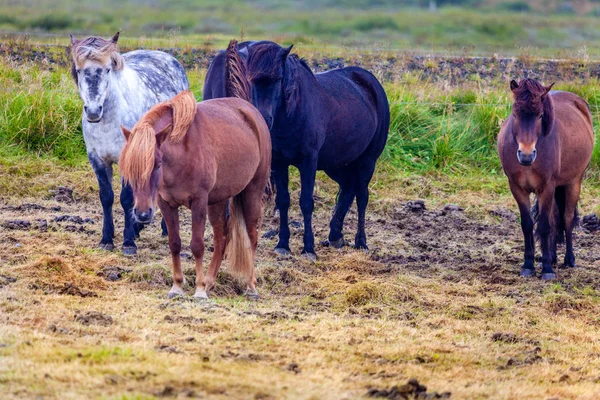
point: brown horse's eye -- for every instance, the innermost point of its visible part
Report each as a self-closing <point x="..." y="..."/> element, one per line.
<point x="541" y="116"/>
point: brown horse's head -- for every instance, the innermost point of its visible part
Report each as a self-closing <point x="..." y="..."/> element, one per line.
<point x="533" y="116"/>
<point x="141" y="159"/>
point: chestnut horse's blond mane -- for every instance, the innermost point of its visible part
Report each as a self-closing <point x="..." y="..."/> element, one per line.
<point x="137" y="158"/>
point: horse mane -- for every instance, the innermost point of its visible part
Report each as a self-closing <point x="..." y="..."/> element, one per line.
<point x="236" y="83"/>
<point x="96" y="49"/>
<point x="531" y="99"/>
<point x="138" y="156"/>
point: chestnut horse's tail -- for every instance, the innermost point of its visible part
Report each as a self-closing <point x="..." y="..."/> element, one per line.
<point x="236" y="83"/>
<point x="239" y="248"/>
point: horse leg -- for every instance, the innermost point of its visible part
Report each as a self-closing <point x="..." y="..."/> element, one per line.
<point x="345" y="197"/>
<point x="253" y="217"/>
<point x="218" y="220"/>
<point x="171" y="216"/>
<point x="364" y="173"/>
<point x="199" y="211"/>
<point x="282" y="202"/>
<point x="546" y="230"/>
<point x="163" y="226"/>
<point x="522" y="198"/>
<point x="571" y="197"/>
<point x="308" y="173"/>
<point x="104" y="173"/>
<point x="129" y="231"/>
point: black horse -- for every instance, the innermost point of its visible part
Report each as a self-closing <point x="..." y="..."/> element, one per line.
<point x="335" y="121"/>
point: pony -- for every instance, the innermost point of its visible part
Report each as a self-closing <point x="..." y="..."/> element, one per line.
<point x="545" y="146"/>
<point x="335" y="121"/>
<point x="117" y="89"/>
<point x="201" y="155"/>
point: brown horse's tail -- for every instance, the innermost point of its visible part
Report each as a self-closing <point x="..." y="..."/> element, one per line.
<point x="239" y="248"/>
<point x="236" y="83"/>
<point x="560" y="204"/>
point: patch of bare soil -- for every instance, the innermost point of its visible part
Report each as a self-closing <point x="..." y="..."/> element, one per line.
<point x="93" y="318"/>
<point x="411" y="390"/>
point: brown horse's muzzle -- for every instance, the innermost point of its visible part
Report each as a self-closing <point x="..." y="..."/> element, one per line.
<point x="526" y="158"/>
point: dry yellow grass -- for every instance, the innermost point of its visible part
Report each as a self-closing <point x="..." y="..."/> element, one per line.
<point x="424" y="302"/>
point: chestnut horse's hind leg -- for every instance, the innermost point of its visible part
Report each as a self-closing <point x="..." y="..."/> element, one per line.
<point x="522" y="198"/>
<point x="218" y="220"/>
<point x="546" y="231"/>
<point x="199" y="210"/>
<point x="571" y="199"/>
<point x="171" y="216"/>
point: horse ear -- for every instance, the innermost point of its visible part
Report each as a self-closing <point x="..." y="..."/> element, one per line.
<point x="514" y="85"/>
<point x="126" y="132"/>
<point x="549" y="88"/>
<point x="164" y="134"/>
<point x="115" y="38"/>
<point x="73" y="40"/>
<point x="286" y="52"/>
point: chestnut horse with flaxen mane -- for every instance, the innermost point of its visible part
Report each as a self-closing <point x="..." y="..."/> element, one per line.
<point x="200" y="155"/>
<point x="545" y="146"/>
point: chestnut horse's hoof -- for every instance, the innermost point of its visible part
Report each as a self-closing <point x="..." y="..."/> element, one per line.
<point x="548" y="276"/>
<point x="338" y="244"/>
<point x="129" y="250"/>
<point x="200" y="295"/>
<point x="106" y="246"/>
<point x="527" y="273"/>
<point x="252" y="294"/>
<point x="280" y="251"/>
<point x="175" y="292"/>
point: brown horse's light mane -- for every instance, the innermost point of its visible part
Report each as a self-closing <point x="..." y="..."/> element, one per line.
<point x="97" y="49"/>
<point x="138" y="156"/>
<point x="529" y="97"/>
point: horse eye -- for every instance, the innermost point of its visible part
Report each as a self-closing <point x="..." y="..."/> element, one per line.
<point x="107" y="70"/>
<point x="541" y="116"/>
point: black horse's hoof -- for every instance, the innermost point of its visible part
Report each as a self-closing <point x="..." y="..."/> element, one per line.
<point x="361" y="247"/>
<point x="129" y="250"/>
<point x="338" y="244"/>
<point x="548" y="276"/>
<point x="527" y="273"/>
<point x="106" y="246"/>
<point x="281" y="251"/>
<point x="573" y="265"/>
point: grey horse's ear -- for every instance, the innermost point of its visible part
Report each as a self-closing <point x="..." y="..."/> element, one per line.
<point x="164" y="134"/>
<point x="514" y="85"/>
<point x="73" y="40"/>
<point x="115" y="38"/>
<point x="126" y="132"/>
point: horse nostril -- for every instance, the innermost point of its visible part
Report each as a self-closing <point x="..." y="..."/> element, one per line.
<point x="100" y="109"/>
<point x="85" y="108"/>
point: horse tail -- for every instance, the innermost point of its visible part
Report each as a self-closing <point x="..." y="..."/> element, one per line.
<point x="560" y="202"/>
<point x="238" y="247"/>
<point x="236" y="84"/>
<point x="184" y="111"/>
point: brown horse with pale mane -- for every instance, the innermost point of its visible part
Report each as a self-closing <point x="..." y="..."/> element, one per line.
<point x="545" y="146"/>
<point x="200" y="155"/>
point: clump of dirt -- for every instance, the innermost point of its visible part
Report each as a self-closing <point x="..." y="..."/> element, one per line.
<point x="590" y="223"/>
<point x="113" y="273"/>
<point x="31" y="207"/>
<point x="6" y="280"/>
<point x="76" y="219"/>
<point x="63" y="195"/>
<point x="186" y="320"/>
<point x="505" y="214"/>
<point x="55" y="275"/>
<point x="93" y="318"/>
<point x="528" y="358"/>
<point x="411" y="390"/>
<point x="506" y="337"/>
<point x="25" y="225"/>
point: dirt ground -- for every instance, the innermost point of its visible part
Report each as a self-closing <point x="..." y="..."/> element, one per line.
<point x="437" y="299"/>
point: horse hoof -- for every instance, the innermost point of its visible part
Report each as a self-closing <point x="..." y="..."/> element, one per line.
<point x="252" y="294"/>
<point x="175" y="292"/>
<point x="129" y="250"/>
<point x="527" y="273"/>
<point x="548" y="276"/>
<point x="338" y="244"/>
<point x="310" y="256"/>
<point x="280" y="251"/>
<point x="361" y="247"/>
<point x="106" y="246"/>
<point x="200" y="295"/>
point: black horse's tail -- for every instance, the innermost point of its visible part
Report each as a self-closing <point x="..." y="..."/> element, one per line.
<point x="236" y="84"/>
<point x="560" y="201"/>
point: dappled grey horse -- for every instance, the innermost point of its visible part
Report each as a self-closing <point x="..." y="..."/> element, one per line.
<point x="117" y="89"/>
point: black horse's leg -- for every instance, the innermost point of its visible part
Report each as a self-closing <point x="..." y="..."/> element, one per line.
<point x="364" y="173"/>
<point x="282" y="201"/>
<point x="571" y="197"/>
<point x="163" y="225"/>
<point x="546" y="230"/>
<point x="131" y="229"/>
<point x="522" y="198"/>
<point x="308" y="172"/>
<point x="103" y="173"/>
<point x="345" y="178"/>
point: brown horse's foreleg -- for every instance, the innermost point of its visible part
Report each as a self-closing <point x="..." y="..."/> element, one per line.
<point x="253" y="216"/>
<point x="171" y="216"/>
<point x="199" y="208"/>
<point x="218" y="220"/>
<point x="522" y="198"/>
<point x="572" y="197"/>
<point x="546" y="230"/>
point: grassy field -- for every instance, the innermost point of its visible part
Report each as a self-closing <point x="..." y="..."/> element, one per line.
<point x="436" y="298"/>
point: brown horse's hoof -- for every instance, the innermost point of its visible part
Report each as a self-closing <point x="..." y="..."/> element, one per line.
<point x="200" y="295"/>
<point x="527" y="273"/>
<point x="338" y="244"/>
<point x="280" y="251"/>
<point x="548" y="276"/>
<point x="252" y="294"/>
<point x="129" y="250"/>
<point x="106" y="246"/>
<point x="175" y="292"/>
